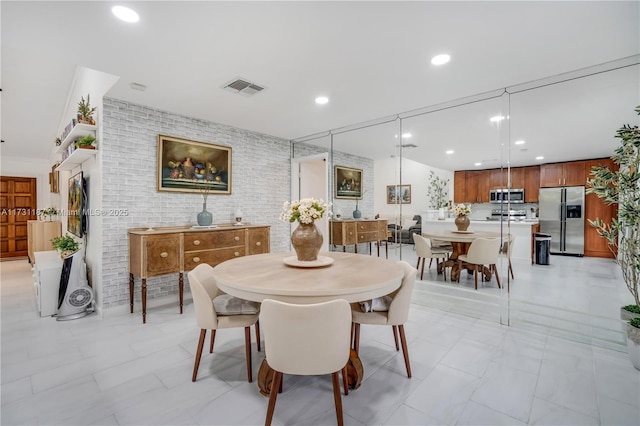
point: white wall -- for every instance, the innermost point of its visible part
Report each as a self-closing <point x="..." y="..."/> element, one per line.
<point x="387" y="172"/>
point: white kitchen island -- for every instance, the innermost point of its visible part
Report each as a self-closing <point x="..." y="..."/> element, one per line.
<point x="522" y="230"/>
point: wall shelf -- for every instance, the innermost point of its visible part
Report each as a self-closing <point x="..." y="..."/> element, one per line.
<point x="78" y="131"/>
<point x="77" y="157"/>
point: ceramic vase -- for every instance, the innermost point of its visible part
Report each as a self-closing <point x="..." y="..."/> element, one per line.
<point x="306" y="240"/>
<point x="357" y="214"/>
<point x="462" y="222"/>
<point x="441" y="213"/>
<point x="204" y="217"/>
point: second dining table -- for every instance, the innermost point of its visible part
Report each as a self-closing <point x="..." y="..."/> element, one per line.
<point x="460" y="241"/>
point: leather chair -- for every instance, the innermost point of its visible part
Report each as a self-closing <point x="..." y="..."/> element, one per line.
<point x="232" y="312"/>
<point x="482" y="251"/>
<point x="396" y="316"/>
<point x="309" y="339"/>
<point x="404" y="236"/>
<point x="424" y="250"/>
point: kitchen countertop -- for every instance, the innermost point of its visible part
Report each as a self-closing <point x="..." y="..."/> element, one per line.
<point x="527" y="222"/>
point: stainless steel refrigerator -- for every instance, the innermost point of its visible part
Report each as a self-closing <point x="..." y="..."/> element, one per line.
<point x="562" y="216"/>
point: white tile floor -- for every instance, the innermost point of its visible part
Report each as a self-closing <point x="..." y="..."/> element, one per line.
<point x="466" y="370"/>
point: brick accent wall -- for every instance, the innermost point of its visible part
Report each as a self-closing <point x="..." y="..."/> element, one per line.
<point x="261" y="182"/>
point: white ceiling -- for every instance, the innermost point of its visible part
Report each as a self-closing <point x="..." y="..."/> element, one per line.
<point x="370" y="58"/>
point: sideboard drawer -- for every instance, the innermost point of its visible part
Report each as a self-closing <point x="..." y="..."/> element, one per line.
<point x="258" y="240"/>
<point x="365" y="237"/>
<point x="212" y="257"/>
<point x="210" y="240"/>
<point x="368" y="226"/>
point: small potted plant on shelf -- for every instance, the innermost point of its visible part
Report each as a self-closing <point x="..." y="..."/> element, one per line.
<point x="85" y="142"/>
<point x="85" y="111"/>
<point x="49" y="212"/>
<point x="66" y="245"/>
<point x="622" y="188"/>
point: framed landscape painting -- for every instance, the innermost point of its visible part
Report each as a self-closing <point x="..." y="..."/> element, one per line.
<point x="190" y="166"/>
<point x="398" y="194"/>
<point x="348" y="183"/>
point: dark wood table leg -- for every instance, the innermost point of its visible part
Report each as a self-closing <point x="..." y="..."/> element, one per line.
<point x="181" y="290"/>
<point x="131" y="292"/>
<point x="144" y="300"/>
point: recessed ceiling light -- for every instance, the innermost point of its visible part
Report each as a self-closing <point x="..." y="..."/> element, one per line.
<point x="321" y="100"/>
<point x="539" y="157"/>
<point x="496" y="118"/>
<point x="125" y="14"/>
<point x="449" y="152"/>
<point x="406" y="135"/>
<point x="440" y="59"/>
<point x="477" y="164"/>
<point x="520" y="142"/>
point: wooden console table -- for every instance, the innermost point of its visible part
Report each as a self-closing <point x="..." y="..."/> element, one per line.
<point x="169" y="250"/>
<point x="347" y="232"/>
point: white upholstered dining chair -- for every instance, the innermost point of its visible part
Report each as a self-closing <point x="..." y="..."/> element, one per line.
<point x="506" y="249"/>
<point x="482" y="251"/>
<point x="217" y="310"/>
<point x="424" y="250"/>
<point x="310" y="339"/>
<point x="396" y="316"/>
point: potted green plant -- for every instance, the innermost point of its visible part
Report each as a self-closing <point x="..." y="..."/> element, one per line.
<point x="622" y="188"/>
<point x="438" y="193"/>
<point x="49" y="212"/>
<point x="85" y="111"/>
<point x="66" y="245"/>
<point x="85" y="142"/>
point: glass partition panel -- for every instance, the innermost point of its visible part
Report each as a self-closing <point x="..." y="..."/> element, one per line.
<point x="566" y="294"/>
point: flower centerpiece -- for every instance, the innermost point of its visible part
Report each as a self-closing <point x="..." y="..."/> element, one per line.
<point x="462" y="211"/>
<point x="306" y="238"/>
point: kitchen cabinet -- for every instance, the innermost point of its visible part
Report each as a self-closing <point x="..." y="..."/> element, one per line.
<point x="170" y="250"/>
<point x="562" y="174"/>
<point x="459" y="186"/>
<point x="594" y="244"/>
<point x="531" y="185"/>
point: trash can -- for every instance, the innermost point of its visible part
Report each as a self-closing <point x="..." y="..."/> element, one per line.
<point x="543" y="248"/>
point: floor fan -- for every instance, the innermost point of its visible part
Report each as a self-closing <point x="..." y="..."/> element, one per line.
<point x="75" y="296"/>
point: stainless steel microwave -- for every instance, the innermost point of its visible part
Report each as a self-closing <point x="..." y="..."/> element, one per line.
<point x="497" y="196"/>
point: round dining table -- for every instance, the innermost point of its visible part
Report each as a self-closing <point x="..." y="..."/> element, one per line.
<point x="460" y="241"/>
<point x="337" y="275"/>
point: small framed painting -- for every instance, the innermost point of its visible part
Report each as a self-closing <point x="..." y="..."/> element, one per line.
<point x="54" y="178"/>
<point x="190" y="166"/>
<point x="398" y="194"/>
<point x="348" y="183"/>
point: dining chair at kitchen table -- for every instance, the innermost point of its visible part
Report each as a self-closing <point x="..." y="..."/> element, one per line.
<point x="482" y="251"/>
<point x="506" y="249"/>
<point x="217" y="310"/>
<point x="425" y="250"/>
<point x="307" y="340"/>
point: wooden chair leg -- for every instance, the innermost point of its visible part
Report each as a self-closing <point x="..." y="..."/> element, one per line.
<point x="247" y="349"/>
<point x="203" y="335"/>
<point x="475" y="275"/>
<point x="258" y="334"/>
<point x="356" y="339"/>
<point x="337" y="397"/>
<point x="422" y="271"/>
<point x="418" y="264"/>
<point x="431" y="261"/>
<point x="511" y="270"/>
<point x="345" y="383"/>
<point x="395" y="336"/>
<point x="213" y="338"/>
<point x="405" y="350"/>
<point x="495" y="271"/>
<point x="459" y="269"/>
<point x="275" y="385"/>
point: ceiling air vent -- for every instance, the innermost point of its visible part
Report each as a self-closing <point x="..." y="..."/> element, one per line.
<point x="407" y="145"/>
<point x="243" y="87"/>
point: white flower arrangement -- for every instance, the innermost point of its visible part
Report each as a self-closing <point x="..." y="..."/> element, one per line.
<point x="306" y="211"/>
<point x="462" y="209"/>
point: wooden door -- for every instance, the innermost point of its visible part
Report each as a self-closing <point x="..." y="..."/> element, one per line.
<point x="18" y="203"/>
<point x="574" y="174"/>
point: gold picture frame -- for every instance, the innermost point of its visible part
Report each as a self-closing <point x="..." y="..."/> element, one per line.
<point x="54" y="179"/>
<point x="348" y="183"/>
<point x="191" y="166"/>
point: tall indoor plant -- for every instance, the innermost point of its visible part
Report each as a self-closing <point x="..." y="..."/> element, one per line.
<point x="622" y="187"/>
<point x="438" y="192"/>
